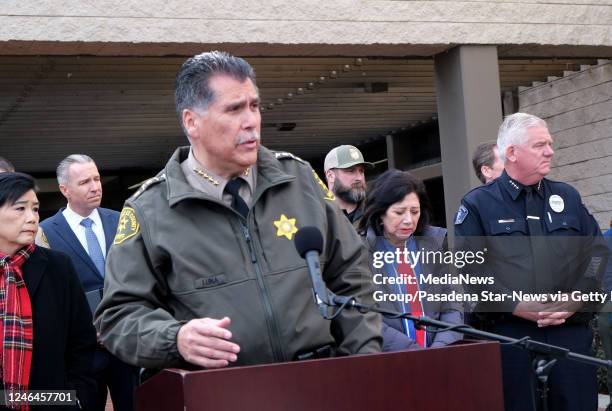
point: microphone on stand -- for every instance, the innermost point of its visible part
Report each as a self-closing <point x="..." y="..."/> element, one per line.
<point x="309" y="244"/>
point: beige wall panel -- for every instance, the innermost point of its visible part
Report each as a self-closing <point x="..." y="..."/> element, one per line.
<point x="588" y="114"/>
<point x="572" y="2"/>
<point x="572" y="101"/>
<point x="582" y="134"/>
<point x="533" y="12"/>
<point x="583" y="152"/>
<point x="579" y="171"/>
<point x="299" y="22"/>
<point x="580" y="80"/>
<point x="604" y="219"/>
<point x="598" y="203"/>
<point x="595" y="185"/>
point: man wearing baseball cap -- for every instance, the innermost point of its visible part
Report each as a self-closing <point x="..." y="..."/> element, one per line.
<point x="345" y="175"/>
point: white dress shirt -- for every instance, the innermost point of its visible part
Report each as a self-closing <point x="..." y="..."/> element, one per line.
<point x="74" y="221"/>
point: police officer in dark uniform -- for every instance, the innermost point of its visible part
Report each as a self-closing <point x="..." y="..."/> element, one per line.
<point x="541" y="241"/>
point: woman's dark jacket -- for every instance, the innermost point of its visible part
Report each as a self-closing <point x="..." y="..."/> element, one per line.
<point x="64" y="336"/>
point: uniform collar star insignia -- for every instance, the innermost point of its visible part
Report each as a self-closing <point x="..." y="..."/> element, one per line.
<point x="518" y="188"/>
<point x="285" y="227"/>
<point x="206" y="176"/>
<point x="513" y="184"/>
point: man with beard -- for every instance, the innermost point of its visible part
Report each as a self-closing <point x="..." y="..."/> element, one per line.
<point x="203" y="271"/>
<point x="345" y="173"/>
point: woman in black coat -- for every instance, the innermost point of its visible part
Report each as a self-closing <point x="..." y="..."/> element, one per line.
<point x="51" y="345"/>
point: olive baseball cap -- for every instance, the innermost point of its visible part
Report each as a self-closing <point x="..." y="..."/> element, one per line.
<point x="344" y="157"/>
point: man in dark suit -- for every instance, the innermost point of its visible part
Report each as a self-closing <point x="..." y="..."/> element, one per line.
<point x="85" y="232"/>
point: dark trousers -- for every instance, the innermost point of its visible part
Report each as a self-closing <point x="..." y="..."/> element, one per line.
<point x="118" y="377"/>
<point x="572" y="385"/>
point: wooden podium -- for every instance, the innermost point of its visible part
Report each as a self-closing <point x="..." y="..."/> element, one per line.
<point x="466" y="376"/>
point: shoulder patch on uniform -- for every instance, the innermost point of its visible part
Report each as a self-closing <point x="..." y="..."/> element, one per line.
<point x="147" y="184"/>
<point x="128" y="225"/>
<point x="329" y="196"/>
<point x="41" y="239"/>
<point x="283" y="155"/>
<point x="461" y="214"/>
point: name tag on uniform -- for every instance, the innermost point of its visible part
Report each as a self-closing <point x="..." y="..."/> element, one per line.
<point x="508" y="220"/>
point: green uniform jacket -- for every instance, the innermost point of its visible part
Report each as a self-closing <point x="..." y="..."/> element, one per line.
<point x="180" y="254"/>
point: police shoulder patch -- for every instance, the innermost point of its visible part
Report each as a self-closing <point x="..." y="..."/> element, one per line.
<point x="149" y="183"/>
<point x="329" y="196"/>
<point x="128" y="225"/>
<point x="283" y="155"/>
<point x="41" y="239"/>
<point x="461" y="214"/>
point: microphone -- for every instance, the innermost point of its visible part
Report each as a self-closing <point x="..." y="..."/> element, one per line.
<point x="309" y="244"/>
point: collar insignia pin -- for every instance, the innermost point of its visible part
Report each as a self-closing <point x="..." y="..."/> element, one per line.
<point x="206" y="177"/>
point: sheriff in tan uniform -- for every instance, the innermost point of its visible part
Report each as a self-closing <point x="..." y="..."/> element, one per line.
<point x="197" y="274"/>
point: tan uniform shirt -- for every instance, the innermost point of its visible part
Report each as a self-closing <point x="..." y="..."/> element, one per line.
<point x="208" y="182"/>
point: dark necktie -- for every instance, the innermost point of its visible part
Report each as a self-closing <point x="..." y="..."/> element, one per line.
<point x="533" y="209"/>
<point x="535" y="212"/>
<point x="238" y="204"/>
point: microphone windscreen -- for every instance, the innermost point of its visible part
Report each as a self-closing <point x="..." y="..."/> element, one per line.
<point x="308" y="239"/>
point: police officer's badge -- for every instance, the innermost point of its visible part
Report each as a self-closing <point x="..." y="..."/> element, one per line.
<point x="285" y="227"/>
<point x="461" y="214"/>
<point x="128" y="225"/>
<point x="329" y="196"/>
<point x="556" y="203"/>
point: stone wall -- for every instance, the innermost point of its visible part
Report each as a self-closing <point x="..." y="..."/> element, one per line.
<point x="428" y="26"/>
<point x="578" y="109"/>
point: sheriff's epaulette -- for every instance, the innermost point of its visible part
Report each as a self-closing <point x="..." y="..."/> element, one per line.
<point x="329" y="196"/>
<point x="282" y="155"/>
<point x="147" y="184"/>
<point x="41" y="239"/>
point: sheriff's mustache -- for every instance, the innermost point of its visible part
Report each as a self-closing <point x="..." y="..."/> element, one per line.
<point x="247" y="137"/>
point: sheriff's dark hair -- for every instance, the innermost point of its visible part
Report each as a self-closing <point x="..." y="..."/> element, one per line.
<point x="192" y="88"/>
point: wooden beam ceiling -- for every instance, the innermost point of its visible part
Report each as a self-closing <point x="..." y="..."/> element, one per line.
<point x="120" y="110"/>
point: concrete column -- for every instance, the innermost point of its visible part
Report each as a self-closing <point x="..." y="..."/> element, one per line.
<point x="469" y="113"/>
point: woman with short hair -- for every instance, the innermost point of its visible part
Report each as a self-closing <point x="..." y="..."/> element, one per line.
<point x="46" y="332"/>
